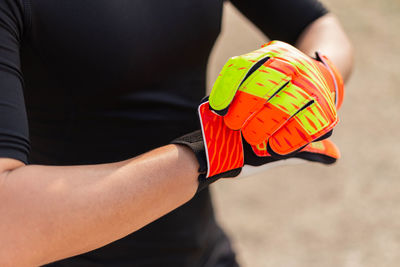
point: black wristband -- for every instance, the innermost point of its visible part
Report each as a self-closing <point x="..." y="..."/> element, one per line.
<point x="195" y="142"/>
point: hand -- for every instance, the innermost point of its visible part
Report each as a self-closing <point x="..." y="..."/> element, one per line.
<point x="279" y="95"/>
<point x="222" y="152"/>
<point x="226" y="152"/>
<point x="279" y="100"/>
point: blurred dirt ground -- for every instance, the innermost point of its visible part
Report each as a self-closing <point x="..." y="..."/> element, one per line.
<point x="311" y="215"/>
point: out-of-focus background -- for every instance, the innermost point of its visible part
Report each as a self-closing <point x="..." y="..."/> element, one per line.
<point x="312" y="215"/>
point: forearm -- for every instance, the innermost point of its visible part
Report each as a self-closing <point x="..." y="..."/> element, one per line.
<point x="48" y="213"/>
<point x="327" y="36"/>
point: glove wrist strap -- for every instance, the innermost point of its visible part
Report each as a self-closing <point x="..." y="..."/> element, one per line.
<point x="195" y="142"/>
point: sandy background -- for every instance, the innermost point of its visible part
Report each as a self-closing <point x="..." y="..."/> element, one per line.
<point x="309" y="214"/>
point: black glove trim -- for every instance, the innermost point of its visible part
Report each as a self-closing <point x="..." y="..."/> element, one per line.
<point x="195" y="142"/>
<point x="204" y="182"/>
<point x="321" y="158"/>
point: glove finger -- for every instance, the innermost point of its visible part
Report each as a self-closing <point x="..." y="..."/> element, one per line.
<point x="261" y="150"/>
<point x="316" y="86"/>
<point x="241" y="108"/>
<point x="312" y="74"/>
<point x="324" y="151"/>
<point x="306" y="126"/>
<point x="232" y="75"/>
<point x="276" y="112"/>
<point x="337" y="81"/>
<point x="260" y="86"/>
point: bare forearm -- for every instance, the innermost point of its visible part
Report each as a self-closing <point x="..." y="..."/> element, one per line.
<point x="48" y="213"/>
<point x="327" y="36"/>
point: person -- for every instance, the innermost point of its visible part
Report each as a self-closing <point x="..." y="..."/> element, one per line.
<point x="91" y="94"/>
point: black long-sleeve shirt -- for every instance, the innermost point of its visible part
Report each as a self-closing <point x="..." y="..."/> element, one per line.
<point x="94" y="81"/>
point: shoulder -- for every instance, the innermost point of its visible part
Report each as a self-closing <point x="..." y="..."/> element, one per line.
<point x="14" y="15"/>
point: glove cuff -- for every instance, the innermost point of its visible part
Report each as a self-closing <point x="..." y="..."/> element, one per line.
<point x="195" y="142"/>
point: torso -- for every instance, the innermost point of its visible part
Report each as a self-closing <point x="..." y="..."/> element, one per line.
<point x="108" y="80"/>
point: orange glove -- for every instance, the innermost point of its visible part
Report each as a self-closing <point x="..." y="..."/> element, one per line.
<point x="279" y="95"/>
<point x="273" y="103"/>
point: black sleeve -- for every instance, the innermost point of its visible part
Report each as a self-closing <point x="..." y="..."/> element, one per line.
<point x="14" y="138"/>
<point x="281" y="20"/>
